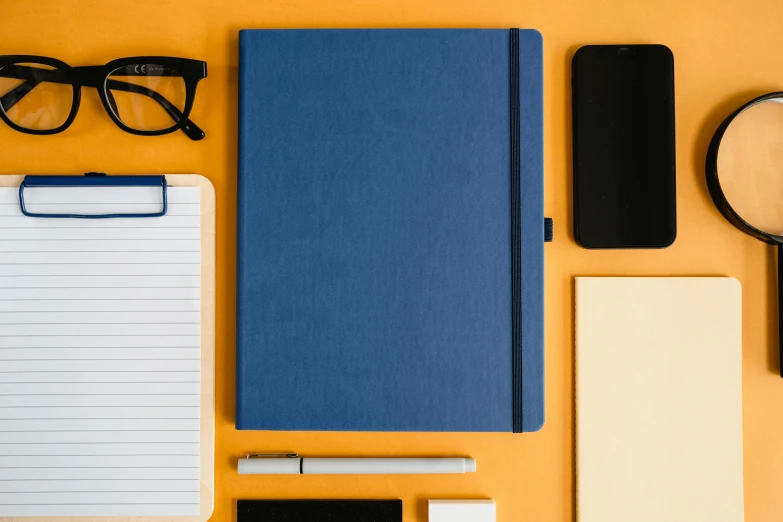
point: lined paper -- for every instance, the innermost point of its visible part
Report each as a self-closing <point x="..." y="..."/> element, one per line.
<point x="100" y="354"/>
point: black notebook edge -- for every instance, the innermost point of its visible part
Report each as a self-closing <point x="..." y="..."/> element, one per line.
<point x="328" y="510"/>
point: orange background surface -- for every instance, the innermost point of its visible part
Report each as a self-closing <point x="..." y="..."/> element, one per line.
<point x="726" y="52"/>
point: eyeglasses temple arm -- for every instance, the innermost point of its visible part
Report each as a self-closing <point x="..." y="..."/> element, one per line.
<point x="191" y="129"/>
<point x="35" y="75"/>
<point x="10" y="98"/>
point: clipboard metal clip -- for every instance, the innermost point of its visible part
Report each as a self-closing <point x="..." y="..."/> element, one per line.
<point x="93" y="179"/>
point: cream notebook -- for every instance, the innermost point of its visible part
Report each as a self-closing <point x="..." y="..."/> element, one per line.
<point x="659" y="399"/>
<point x="106" y="353"/>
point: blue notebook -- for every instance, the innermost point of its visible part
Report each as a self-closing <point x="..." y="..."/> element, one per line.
<point x="390" y="230"/>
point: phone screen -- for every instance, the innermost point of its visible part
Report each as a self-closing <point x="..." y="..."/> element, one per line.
<point x="623" y="132"/>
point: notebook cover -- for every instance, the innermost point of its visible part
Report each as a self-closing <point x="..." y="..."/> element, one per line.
<point x="320" y="510"/>
<point x="659" y="399"/>
<point x="374" y="230"/>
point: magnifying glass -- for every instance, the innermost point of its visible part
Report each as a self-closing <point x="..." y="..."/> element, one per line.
<point x="745" y="175"/>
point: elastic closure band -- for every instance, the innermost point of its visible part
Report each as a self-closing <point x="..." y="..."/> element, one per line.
<point x="516" y="234"/>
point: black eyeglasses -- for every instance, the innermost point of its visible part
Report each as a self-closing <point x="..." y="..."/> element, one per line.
<point x="145" y="95"/>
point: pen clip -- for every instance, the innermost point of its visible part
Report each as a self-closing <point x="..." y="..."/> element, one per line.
<point x="271" y="455"/>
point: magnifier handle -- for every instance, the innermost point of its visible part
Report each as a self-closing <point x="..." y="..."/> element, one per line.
<point x="780" y="309"/>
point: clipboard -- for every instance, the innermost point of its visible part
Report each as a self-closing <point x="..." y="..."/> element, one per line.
<point x="206" y="420"/>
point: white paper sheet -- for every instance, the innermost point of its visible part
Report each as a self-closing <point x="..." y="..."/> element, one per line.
<point x="100" y="354"/>
<point x="461" y="511"/>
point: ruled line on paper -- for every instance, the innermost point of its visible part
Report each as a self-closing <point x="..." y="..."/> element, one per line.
<point x="100" y="351"/>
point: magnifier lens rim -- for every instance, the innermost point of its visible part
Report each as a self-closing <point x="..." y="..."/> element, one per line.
<point x="713" y="181"/>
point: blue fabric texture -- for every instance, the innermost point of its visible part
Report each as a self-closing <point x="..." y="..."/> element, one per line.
<point x="374" y="231"/>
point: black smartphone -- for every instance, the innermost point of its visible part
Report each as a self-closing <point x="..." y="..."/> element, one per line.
<point x="623" y="145"/>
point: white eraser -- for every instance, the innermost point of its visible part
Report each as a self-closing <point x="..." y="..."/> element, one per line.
<point x="462" y="511"/>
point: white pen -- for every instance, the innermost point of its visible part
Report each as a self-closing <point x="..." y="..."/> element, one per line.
<point x="293" y="464"/>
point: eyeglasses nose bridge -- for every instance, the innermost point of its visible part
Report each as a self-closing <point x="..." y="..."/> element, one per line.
<point x="89" y="75"/>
